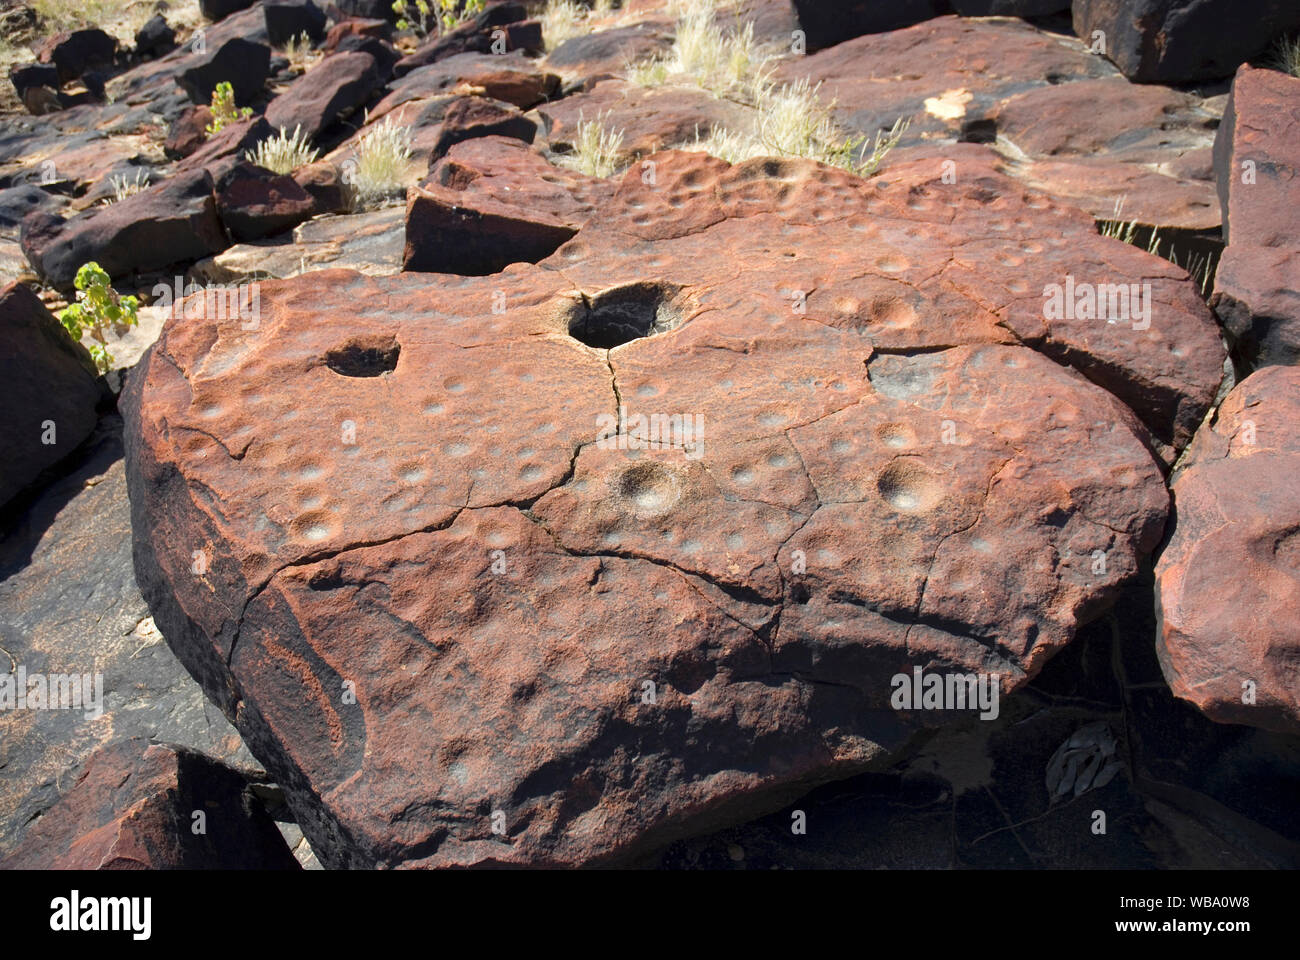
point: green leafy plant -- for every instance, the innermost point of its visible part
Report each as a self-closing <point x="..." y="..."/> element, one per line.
<point x="283" y="153"/>
<point x="223" y="108"/>
<point x="98" y="308"/>
<point x="426" y="17"/>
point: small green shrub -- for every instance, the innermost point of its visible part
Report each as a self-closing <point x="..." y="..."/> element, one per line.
<point x="97" y="309"/>
<point x="426" y="17"/>
<point x="223" y="108"/>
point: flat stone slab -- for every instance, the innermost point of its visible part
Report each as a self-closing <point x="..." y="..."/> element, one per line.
<point x="446" y="592"/>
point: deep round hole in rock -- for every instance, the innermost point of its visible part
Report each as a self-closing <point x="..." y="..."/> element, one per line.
<point x="364" y="357"/>
<point x="623" y="314"/>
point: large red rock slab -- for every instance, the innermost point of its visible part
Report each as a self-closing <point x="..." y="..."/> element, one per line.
<point x="1257" y="156"/>
<point x="1172" y="41"/>
<point x="951" y="264"/>
<point x="889" y="477"/>
<point x="1228" y="581"/>
<point x="48" y="386"/>
<point x="171" y="222"/>
<point x="491" y="202"/>
<point x="133" y="806"/>
<point x="1063" y="118"/>
<point x="334" y="88"/>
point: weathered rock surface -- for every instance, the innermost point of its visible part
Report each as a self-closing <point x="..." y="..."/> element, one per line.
<point x="650" y="119"/>
<point x="1063" y="119"/>
<point x="48" y="387"/>
<point x="357" y="27"/>
<point x="769" y="580"/>
<point x="171" y="222"/>
<point x="492" y="202"/>
<point x="332" y="89"/>
<point x="133" y="807"/>
<point x="607" y="52"/>
<point x="69" y="604"/>
<point x="1257" y="158"/>
<point x="254" y="203"/>
<point x="220" y="9"/>
<point x="509" y="78"/>
<point x="1173" y="41"/>
<point x="1228" y="582"/>
<point x="1190" y="794"/>
<point x="371" y="243"/>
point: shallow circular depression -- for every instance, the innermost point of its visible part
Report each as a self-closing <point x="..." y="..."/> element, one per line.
<point x="909" y="486"/>
<point x="649" y="488"/>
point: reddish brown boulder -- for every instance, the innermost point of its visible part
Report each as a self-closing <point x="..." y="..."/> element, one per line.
<point x="512" y="79"/>
<point x="1063" y="119"/>
<point x="137" y="805"/>
<point x="462" y="624"/>
<point x="469" y="118"/>
<point x="1257" y="154"/>
<point x="169" y="223"/>
<point x="356" y="27"/>
<point x="230" y="142"/>
<point x="49" y="389"/>
<point x="492" y="202"/>
<point x="1228" y="582"/>
<point x="189" y="132"/>
<point x="1173" y="41"/>
<point x="324" y="182"/>
<point x="334" y="88"/>
<point x="254" y="203"/>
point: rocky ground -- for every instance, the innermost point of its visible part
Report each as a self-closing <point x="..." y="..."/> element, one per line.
<point x="562" y="434"/>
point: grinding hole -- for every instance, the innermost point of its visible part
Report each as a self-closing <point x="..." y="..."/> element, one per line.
<point x="624" y="314"/>
<point x="364" y="357"/>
